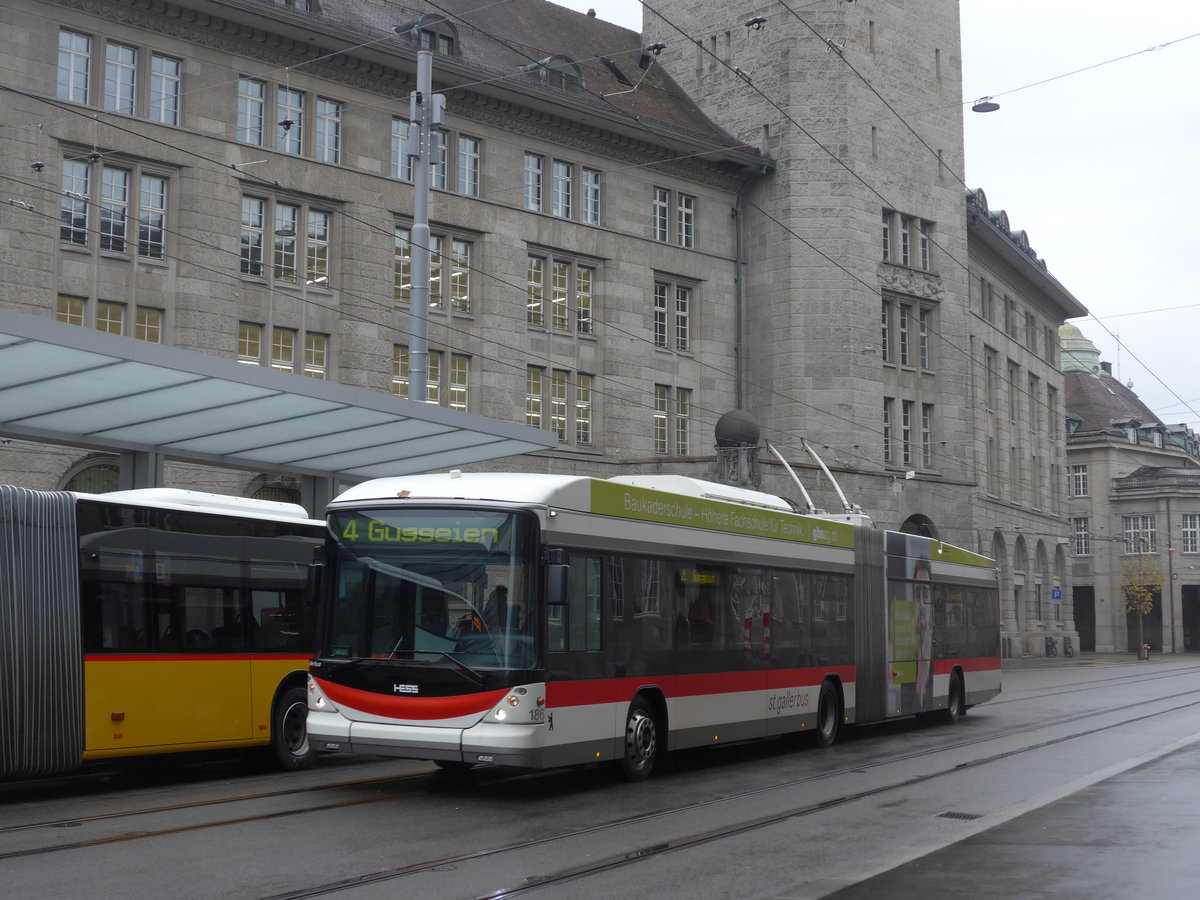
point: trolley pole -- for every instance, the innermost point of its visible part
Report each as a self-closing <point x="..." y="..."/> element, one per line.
<point x="426" y="112"/>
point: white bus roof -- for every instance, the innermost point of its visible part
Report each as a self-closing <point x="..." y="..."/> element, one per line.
<point x="202" y="501"/>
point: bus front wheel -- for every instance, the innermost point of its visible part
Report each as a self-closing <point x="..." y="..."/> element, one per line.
<point x="641" y="742"/>
<point x="955" y="702"/>
<point x="289" y="731"/>
<point x="829" y="715"/>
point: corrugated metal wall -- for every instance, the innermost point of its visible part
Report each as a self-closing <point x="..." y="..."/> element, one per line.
<point x="41" y="658"/>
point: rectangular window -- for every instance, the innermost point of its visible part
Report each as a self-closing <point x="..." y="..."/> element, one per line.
<point x="905" y="243"/>
<point x="283" y="349"/>
<point x="589" y="212"/>
<point x="558" y="404"/>
<point x="250" y="343"/>
<point x="329" y="131"/>
<point x="1191" y="533"/>
<point x="459" y="375"/>
<point x="683" y="318"/>
<point x="535" y="299"/>
<point x="1079" y="481"/>
<point x="906" y="431"/>
<point x="685" y="221"/>
<point x="660" y="314"/>
<point x="570" y="292"/>
<point x="672" y="420"/>
<point x="683" y="413"/>
<point x="887" y="235"/>
<point x="152" y="217"/>
<point x="438" y="162"/>
<point x="74" y="66"/>
<point x="289" y="107"/>
<point x="254" y="211"/>
<point x="316" y="353"/>
<point x="533" y="182"/>
<point x="298" y="234"/>
<point x="251" y="111"/>
<point x="661" y="214"/>
<point x="927" y="435"/>
<point x="400" y="370"/>
<point x="560" y="289"/>
<point x="433" y="381"/>
<point x="1083" y="537"/>
<point x="583" y="410"/>
<point x="401" y="161"/>
<point x="468" y="166"/>
<point x="110" y="317"/>
<point x="287" y="228"/>
<point x="585" y="278"/>
<point x="165" y="80"/>
<point x="147" y="325"/>
<point x="905" y="313"/>
<point x="889" y="404"/>
<point x="923" y="245"/>
<point x="923" y="316"/>
<point x="69" y="310"/>
<point x="459" y="263"/>
<point x="1141" y="535"/>
<point x="120" y="78"/>
<point x="662" y="401"/>
<point x="673" y="316"/>
<point x="534" y="388"/>
<point x="316" y="251"/>
<point x="561" y="174"/>
<point x="885" y="324"/>
<point x="114" y="209"/>
<point x="73" y="208"/>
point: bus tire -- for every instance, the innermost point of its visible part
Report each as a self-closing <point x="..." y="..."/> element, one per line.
<point x="641" y="741"/>
<point x="454" y="767"/>
<point x="829" y="715"/>
<point x="955" y="701"/>
<point x="289" y="734"/>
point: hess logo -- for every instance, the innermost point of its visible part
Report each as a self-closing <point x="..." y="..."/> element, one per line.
<point x="405" y="689"/>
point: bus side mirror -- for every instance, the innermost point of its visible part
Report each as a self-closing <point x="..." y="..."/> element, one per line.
<point x="556" y="584"/>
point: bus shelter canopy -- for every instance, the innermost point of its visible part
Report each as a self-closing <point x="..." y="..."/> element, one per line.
<point x="69" y="385"/>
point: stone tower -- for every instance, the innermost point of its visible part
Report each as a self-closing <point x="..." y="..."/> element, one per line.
<point x="860" y="104"/>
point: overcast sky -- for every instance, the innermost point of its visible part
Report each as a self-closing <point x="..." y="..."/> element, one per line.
<point x="1099" y="167"/>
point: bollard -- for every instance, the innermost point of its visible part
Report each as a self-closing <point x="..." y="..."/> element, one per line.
<point x="1145" y="654"/>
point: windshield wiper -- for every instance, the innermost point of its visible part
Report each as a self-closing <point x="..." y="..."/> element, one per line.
<point x="466" y="670"/>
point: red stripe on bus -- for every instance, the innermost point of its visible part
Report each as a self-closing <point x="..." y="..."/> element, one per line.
<point x="409" y="707"/>
<point x="189" y="657"/>
<point x="979" y="664"/>
<point x="620" y="690"/>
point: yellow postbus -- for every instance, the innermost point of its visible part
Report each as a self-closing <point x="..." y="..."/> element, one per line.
<point x="151" y="621"/>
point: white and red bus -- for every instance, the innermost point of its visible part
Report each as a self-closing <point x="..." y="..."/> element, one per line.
<point x="544" y="620"/>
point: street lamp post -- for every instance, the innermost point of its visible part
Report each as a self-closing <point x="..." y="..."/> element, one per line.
<point x="427" y="112"/>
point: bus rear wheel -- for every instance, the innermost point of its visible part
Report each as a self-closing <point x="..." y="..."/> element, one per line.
<point x="641" y="742"/>
<point x="829" y="715"/>
<point x="289" y="731"/>
<point x="954" y="703"/>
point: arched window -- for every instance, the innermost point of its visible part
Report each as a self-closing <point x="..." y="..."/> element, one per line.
<point x="93" y="477"/>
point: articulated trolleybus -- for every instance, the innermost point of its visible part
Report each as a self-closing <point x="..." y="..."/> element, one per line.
<point x="151" y="621"/>
<point x="544" y="620"/>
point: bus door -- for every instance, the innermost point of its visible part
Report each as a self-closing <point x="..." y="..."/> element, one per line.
<point x="582" y="702"/>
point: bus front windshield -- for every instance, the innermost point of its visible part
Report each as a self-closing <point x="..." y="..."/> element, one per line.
<point x="432" y="585"/>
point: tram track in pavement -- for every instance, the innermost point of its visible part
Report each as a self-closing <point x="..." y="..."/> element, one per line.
<point x="419" y="780"/>
<point x="713" y="835"/>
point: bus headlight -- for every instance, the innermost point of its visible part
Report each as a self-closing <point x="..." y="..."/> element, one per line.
<point x="500" y="715"/>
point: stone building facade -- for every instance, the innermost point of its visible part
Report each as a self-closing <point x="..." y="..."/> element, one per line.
<point x="635" y="236"/>
<point x="1134" y="503"/>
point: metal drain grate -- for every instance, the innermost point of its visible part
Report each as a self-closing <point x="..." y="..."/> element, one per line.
<point x="967" y="817"/>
